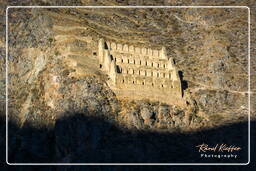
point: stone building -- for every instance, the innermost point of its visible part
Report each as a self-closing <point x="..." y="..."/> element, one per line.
<point x="140" y="73"/>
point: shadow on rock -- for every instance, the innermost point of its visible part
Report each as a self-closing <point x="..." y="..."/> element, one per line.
<point x="77" y="138"/>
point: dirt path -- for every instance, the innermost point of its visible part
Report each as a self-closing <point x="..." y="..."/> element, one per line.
<point x="207" y="87"/>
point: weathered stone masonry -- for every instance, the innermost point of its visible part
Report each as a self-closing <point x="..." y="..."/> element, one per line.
<point x="140" y="73"/>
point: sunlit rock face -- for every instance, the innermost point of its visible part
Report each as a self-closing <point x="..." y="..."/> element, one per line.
<point x="54" y="73"/>
<point x="54" y="51"/>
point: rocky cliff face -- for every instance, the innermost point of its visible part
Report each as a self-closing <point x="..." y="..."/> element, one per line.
<point x="53" y="70"/>
<point x="53" y="57"/>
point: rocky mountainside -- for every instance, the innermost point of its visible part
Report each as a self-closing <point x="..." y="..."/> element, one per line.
<point x="58" y="94"/>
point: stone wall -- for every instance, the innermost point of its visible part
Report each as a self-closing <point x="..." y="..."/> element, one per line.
<point x="140" y="73"/>
<point x="124" y="48"/>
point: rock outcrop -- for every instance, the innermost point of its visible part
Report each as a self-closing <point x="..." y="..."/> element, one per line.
<point x="56" y="87"/>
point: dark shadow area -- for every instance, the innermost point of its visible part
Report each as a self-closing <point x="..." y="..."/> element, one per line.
<point x="111" y="57"/>
<point x="2" y="139"/>
<point x="118" y="69"/>
<point x="77" y="138"/>
<point x="105" y="46"/>
<point x="184" y="83"/>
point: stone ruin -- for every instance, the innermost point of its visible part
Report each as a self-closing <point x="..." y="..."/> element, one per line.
<point x="140" y="73"/>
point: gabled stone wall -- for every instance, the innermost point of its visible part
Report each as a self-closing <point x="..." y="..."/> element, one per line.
<point x="140" y="73"/>
<point x="124" y="48"/>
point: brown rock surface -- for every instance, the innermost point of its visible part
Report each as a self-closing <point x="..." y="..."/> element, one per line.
<point x="53" y="72"/>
